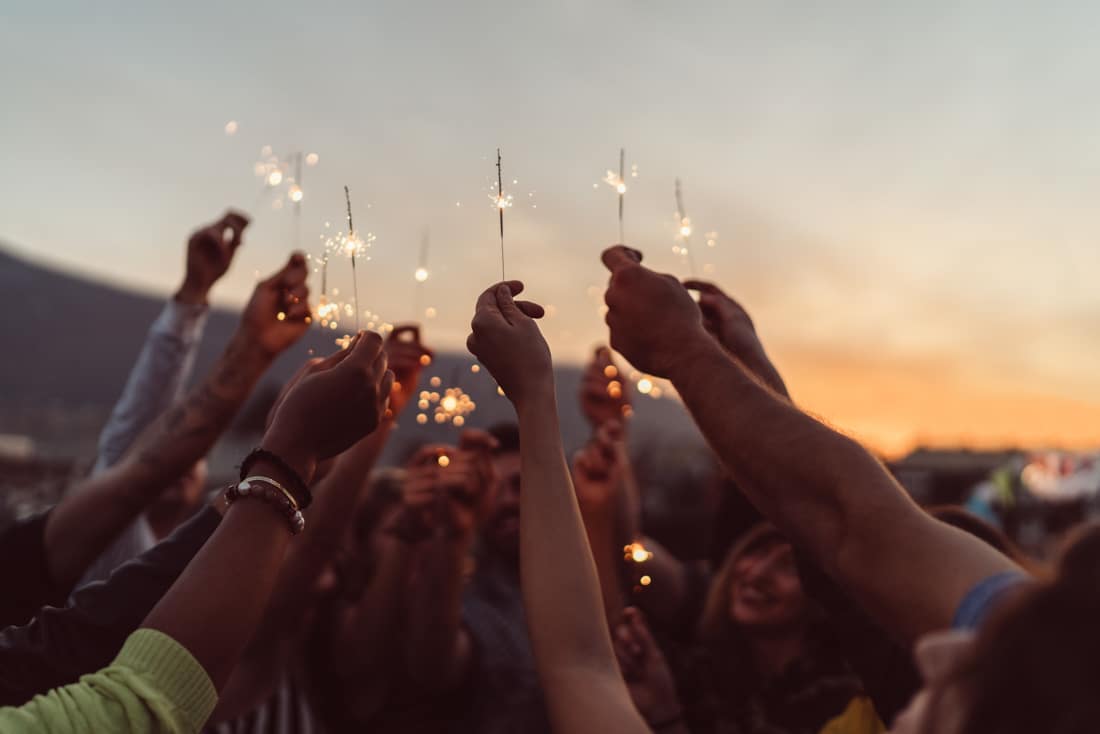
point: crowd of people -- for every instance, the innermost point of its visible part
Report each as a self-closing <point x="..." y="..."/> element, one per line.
<point x="497" y="586"/>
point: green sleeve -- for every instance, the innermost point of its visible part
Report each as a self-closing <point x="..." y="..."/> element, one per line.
<point x="154" y="686"/>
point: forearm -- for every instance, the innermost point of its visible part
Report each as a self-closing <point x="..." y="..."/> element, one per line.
<point x="561" y="591"/>
<point x="372" y="631"/>
<point x="437" y="649"/>
<point x="86" y="522"/>
<point x="218" y="600"/>
<point x="832" y="498"/>
<point x="330" y="516"/>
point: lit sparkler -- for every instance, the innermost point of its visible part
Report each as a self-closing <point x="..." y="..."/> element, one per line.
<point x="618" y="182"/>
<point x="501" y="202"/>
<point x="684" y="233"/>
<point x="452" y="405"/>
<point x="353" y="246"/>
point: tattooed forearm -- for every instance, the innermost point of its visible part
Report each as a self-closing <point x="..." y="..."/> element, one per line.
<point x="187" y="431"/>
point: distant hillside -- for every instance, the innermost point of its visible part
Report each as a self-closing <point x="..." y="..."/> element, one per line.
<point x="71" y="342"/>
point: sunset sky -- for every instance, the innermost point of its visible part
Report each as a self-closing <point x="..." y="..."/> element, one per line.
<point x="905" y="194"/>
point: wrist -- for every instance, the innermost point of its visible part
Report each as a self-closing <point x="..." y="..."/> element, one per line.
<point x="192" y="294"/>
<point x="702" y="348"/>
<point x="300" y="461"/>
<point x="537" y="399"/>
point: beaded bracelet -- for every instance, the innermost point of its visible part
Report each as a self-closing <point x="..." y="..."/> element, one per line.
<point x="298" y="489"/>
<point x="275" y="496"/>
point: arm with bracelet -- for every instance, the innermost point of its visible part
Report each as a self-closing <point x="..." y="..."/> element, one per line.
<point x="167" y="676"/>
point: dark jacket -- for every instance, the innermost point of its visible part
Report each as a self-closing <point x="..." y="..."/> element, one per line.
<point x="62" y="644"/>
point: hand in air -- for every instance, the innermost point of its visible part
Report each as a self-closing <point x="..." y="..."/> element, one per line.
<point x="210" y="251"/>
<point x="652" y="317"/>
<point x="278" y="313"/>
<point x="506" y="339"/>
<point x="333" y="404"/>
<point x="598" y="468"/>
<point x="406" y="358"/>
<point x="446" y="487"/>
<point x="725" y="319"/>
<point x="605" y="394"/>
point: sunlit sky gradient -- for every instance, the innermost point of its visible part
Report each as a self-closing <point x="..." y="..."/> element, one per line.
<point x="905" y="193"/>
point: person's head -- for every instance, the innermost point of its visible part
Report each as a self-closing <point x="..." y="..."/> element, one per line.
<point x="179" y="501"/>
<point x="757" y="592"/>
<point x="1033" y="665"/>
<point x="501" y="530"/>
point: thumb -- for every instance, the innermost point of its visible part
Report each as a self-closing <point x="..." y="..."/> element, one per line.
<point x="618" y="257"/>
<point x="366" y="349"/>
<point x="506" y="304"/>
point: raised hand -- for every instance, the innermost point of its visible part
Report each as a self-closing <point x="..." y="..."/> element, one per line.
<point x="278" y="313"/>
<point x="445" y="490"/>
<point x="338" y="401"/>
<point x="604" y="394"/>
<point x="506" y="339"/>
<point x="598" y="468"/>
<point x="405" y="352"/>
<point x="210" y="250"/>
<point x="645" y="670"/>
<point x="653" y="320"/>
<point x="729" y="323"/>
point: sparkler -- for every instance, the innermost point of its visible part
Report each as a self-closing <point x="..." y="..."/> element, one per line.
<point x="502" y="203"/>
<point x="684" y="222"/>
<point x="622" y="190"/>
<point x="354" y="245"/>
<point x="421" y="274"/>
<point x="618" y="182"/>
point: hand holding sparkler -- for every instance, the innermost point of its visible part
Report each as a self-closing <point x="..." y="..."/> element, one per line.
<point x="729" y="323"/>
<point x="406" y="356"/>
<point x="604" y="394"/>
<point x="446" y="489"/>
<point x="210" y="250"/>
<point x="508" y="342"/>
<point x="598" y="469"/>
<point x="278" y="313"/>
<point x="653" y="320"/>
<point x="334" y="403"/>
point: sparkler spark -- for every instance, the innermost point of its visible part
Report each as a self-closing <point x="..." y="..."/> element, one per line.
<point x="451" y="406"/>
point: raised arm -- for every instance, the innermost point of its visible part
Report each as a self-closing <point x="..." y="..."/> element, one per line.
<point x="442" y="498"/>
<point x="565" y="616"/>
<point x="216" y="604"/>
<point x="163" y="368"/>
<point x="167" y="675"/>
<point x="164" y="364"/>
<point x="821" y="488"/>
<point x="85" y="523"/>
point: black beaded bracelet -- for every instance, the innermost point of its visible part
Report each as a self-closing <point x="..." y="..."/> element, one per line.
<point x="297" y="487"/>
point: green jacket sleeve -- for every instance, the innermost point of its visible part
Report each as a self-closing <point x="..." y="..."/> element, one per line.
<point x="154" y="686"/>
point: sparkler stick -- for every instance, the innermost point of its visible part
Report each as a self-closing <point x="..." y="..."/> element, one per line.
<point x="296" y="197"/>
<point x="354" y="277"/>
<point x="421" y="274"/>
<point x="622" y="191"/>
<point x="501" y="203"/>
<point x="685" y="227"/>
